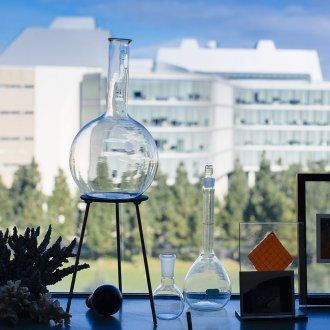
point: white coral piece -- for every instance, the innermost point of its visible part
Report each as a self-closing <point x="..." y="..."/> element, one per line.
<point x="13" y="300"/>
<point x="16" y="301"/>
<point x="48" y="309"/>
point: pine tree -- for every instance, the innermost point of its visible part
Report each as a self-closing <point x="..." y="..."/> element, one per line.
<point x="101" y="228"/>
<point x="234" y="205"/>
<point x="27" y="198"/>
<point x="5" y="206"/>
<point x="129" y="230"/>
<point x="187" y="223"/>
<point x="62" y="212"/>
<point x="288" y="185"/>
<point x="102" y="180"/>
<point x="160" y="215"/>
<point x="267" y="203"/>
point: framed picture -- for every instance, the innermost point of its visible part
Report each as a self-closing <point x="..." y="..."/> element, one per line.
<point x="266" y="293"/>
<point x="313" y="211"/>
<point x="323" y="238"/>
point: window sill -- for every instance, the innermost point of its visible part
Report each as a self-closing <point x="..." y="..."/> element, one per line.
<point x="136" y="314"/>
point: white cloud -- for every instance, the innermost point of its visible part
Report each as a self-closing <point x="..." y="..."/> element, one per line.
<point x="232" y="23"/>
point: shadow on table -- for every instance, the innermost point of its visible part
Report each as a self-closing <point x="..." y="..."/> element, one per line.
<point x="100" y="322"/>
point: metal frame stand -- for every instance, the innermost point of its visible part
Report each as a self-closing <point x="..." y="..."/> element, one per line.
<point x="116" y="199"/>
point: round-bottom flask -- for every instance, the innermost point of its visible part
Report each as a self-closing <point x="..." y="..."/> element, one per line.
<point x="113" y="156"/>
<point x="207" y="285"/>
<point x="169" y="302"/>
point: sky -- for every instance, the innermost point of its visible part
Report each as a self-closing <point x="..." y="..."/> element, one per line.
<point x="303" y="24"/>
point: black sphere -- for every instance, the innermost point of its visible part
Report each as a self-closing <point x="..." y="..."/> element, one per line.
<point x="105" y="300"/>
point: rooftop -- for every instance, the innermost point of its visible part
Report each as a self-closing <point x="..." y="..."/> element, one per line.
<point x="69" y="41"/>
<point x="72" y="23"/>
<point x="77" y="42"/>
<point x="265" y="61"/>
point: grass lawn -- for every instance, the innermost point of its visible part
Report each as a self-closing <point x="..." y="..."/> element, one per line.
<point x="104" y="271"/>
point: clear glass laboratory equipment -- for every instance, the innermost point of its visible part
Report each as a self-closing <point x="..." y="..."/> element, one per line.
<point x="114" y="156"/>
<point x="169" y="302"/>
<point x="207" y="285"/>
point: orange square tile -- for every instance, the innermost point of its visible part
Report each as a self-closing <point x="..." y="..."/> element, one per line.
<point x="270" y="255"/>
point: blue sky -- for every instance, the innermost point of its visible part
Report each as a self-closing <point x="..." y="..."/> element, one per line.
<point x="150" y="23"/>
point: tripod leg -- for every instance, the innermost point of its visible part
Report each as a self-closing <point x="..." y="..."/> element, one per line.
<point x="118" y="247"/>
<point x="77" y="258"/>
<point x="151" y="298"/>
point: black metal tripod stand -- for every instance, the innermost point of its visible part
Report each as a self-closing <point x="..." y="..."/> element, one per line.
<point x="114" y="199"/>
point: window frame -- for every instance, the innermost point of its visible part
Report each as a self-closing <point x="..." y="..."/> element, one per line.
<point x="306" y="298"/>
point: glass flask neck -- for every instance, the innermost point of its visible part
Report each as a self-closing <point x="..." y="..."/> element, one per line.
<point x="118" y="78"/>
<point x="167" y="262"/>
<point x="166" y="281"/>
<point x="208" y="211"/>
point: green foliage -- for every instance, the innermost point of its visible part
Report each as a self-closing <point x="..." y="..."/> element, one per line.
<point x="27" y="197"/>
<point x="316" y="167"/>
<point x="102" y="181"/>
<point x="189" y="205"/>
<point x="101" y="231"/>
<point x="61" y="207"/>
<point x="163" y="221"/>
<point x="129" y="231"/>
<point x="267" y="203"/>
<point x="235" y="204"/>
<point x="6" y="206"/>
<point x="172" y="217"/>
<point x="287" y="184"/>
<point x="101" y="228"/>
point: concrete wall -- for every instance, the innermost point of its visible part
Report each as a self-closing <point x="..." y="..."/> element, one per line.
<point x="222" y="137"/>
<point x="16" y="119"/>
<point x="57" y="119"/>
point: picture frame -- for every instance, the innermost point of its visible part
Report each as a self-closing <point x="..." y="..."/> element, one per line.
<point x="306" y="297"/>
<point x="267" y="294"/>
<point x="323" y="238"/>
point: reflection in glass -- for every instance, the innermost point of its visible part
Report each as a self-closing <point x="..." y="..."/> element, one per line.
<point x="113" y="155"/>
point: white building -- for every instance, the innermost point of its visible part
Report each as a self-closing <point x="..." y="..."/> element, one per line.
<point x="264" y="61"/>
<point x="201" y="104"/>
<point x="40" y="76"/>
<point x="186" y="114"/>
<point x="289" y="121"/>
<point x="281" y="104"/>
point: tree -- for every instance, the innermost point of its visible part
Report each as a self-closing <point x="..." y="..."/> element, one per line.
<point x="160" y="212"/>
<point x="5" y="206"/>
<point x="101" y="228"/>
<point x="26" y="196"/>
<point x="129" y="230"/>
<point x="287" y="181"/>
<point x="62" y="212"/>
<point x="187" y="223"/>
<point x="232" y="212"/>
<point x="317" y="167"/>
<point x="267" y="203"/>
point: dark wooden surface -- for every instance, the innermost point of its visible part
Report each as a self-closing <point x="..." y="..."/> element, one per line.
<point x="135" y="315"/>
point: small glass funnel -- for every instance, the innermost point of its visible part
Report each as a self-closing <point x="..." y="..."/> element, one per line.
<point x="207" y="285"/>
<point x="169" y="302"/>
